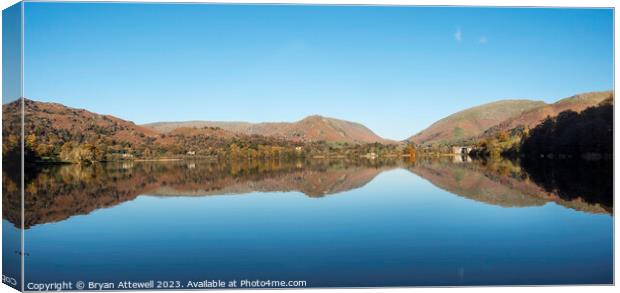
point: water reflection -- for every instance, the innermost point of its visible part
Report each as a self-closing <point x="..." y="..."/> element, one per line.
<point x="55" y="193"/>
<point x="574" y="180"/>
<point x="513" y="184"/>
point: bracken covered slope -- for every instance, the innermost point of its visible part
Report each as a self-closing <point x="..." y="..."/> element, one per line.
<point x="472" y="122"/>
<point x="488" y="119"/>
<point x="311" y="128"/>
<point x="534" y="116"/>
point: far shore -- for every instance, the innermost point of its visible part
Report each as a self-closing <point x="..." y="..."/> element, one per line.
<point x="157" y="160"/>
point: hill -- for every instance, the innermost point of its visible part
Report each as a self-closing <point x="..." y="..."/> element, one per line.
<point x="54" y="132"/>
<point x="533" y="117"/>
<point x="42" y="117"/>
<point x="310" y="129"/>
<point x="588" y="134"/>
<point x="57" y="133"/>
<point x="490" y="119"/>
<point x="167" y="127"/>
<point x="470" y="123"/>
<point x="61" y="132"/>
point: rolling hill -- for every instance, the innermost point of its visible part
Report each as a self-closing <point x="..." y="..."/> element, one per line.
<point x="57" y="133"/>
<point x="489" y="119"/>
<point x="309" y="129"/>
<point x="534" y="116"/>
<point x="472" y="122"/>
<point x="54" y="122"/>
<point x="52" y="126"/>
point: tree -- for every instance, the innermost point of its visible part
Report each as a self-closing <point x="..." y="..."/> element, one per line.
<point x="573" y="134"/>
<point x="502" y="136"/>
<point x="410" y="150"/>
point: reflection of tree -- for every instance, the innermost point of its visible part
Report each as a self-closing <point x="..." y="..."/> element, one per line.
<point x="58" y="192"/>
<point x="587" y="187"/>
<point x="574" y="179"/>
<point x="11" y="161"/>
<point x="495" y="184"/>
<point x="55" y="193"/>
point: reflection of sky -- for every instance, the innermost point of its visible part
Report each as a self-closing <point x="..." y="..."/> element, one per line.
<point x="11" y="245"/>
<point x="397" y="230"/>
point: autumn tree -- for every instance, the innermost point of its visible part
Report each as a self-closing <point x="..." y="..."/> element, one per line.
<point x="411" y="152"/>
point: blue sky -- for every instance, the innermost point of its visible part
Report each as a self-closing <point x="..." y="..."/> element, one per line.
<point x="394" y="69"/>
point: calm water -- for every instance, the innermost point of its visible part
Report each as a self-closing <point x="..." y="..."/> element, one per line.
<point x="330" y="224"/>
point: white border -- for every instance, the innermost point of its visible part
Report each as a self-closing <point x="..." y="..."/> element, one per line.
<point x="496" y="3"/>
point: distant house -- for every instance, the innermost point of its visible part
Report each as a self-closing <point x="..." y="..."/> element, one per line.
<point x="191" y="153"/>
<point x="371" y="155"/>
<point x="299" y="149"/>
<point x="461" y="150"/>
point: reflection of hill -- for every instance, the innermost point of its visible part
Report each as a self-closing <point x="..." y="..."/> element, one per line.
<point x="59" y="192"/>
<point x="500" y="183"/>
<point x="313" y="183"/>
<point x="56" y="193"/>
<point x="465" y="180"/>
<point x="574" y="180"/>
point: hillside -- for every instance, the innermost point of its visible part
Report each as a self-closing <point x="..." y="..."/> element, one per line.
<point x="167" y="127"/>
<point x="57" y="133"/>
<point x="470" y="123"/>
<point x="54" y="130"/>
<point x="588" y="134"/>
<point x="40" y="118"/>
<point x="310" y="129"/>
<point x="534" y="116"/>
<point x="489" y="119"/>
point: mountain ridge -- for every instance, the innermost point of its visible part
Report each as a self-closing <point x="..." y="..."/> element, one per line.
<point x="57" y="133"/>
<point x="533" y="117"/>
<point x="488" y="119"/>
<point x="311" y="128"/>
<point x="65" y="123"/>
<point x="471" y="122"/>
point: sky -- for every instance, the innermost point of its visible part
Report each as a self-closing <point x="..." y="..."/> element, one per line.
<point x="394" y="69"/>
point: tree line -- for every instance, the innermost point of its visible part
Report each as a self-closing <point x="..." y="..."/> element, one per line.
<point x="587" y="134"/>
<point x="50" y="145"/>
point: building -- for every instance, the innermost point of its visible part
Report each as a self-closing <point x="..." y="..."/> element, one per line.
<point x="461" y="150"/>
<point x="371" y="155"/>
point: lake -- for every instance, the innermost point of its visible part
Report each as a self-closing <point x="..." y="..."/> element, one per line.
<point x="445" y="222"/>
